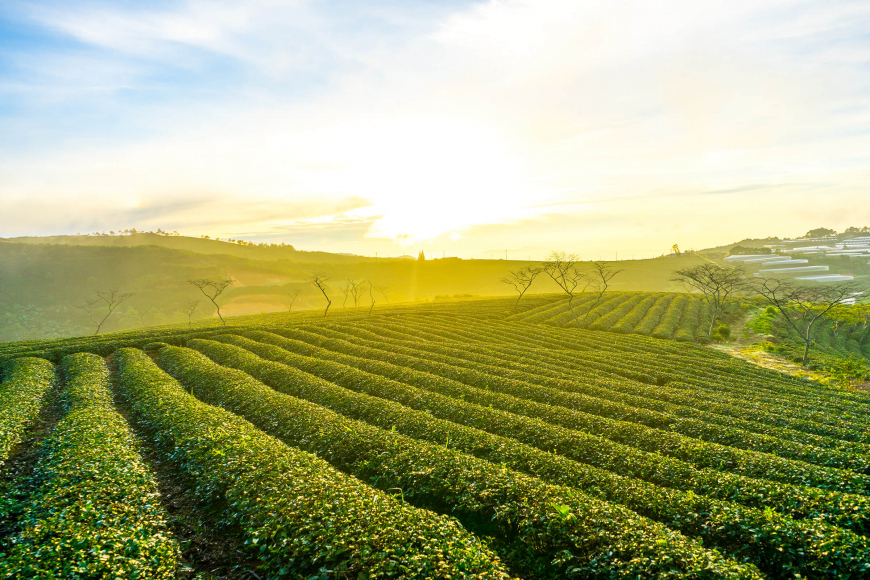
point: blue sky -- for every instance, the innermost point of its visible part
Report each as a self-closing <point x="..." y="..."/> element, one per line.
<point x="362" y="126"/>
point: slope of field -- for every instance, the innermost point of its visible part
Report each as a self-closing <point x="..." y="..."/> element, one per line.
<point x="454" y="440"/>
<point x="681" y="317"/>
<point x="45" y="281"/>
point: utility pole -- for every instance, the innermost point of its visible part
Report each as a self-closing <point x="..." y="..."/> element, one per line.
<point x="505" y="255"/>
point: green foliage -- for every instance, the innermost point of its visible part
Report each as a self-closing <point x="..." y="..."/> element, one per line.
<point x="671" y="317"/>
<point x="26" y="380"/>
<point x="375" y="400"/>
<point x="154" y="346"/>
<point x="722" y="333"/>
<point x="602" y="538"/>
<point x="298" y="515"/>
<point x="846" y="370"/>
<point x="820" y="233"/>
<point x="542" y="426"/>
<point x="563" y="450"/>
<point x="22" y="395"/>
<point x="611" y="420"/>
<point x="95" y="512"/>
<point x="739" y="250"/>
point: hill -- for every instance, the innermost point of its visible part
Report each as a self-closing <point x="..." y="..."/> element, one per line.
<point x="430" y="440"/>
<point x="42" y="285"/>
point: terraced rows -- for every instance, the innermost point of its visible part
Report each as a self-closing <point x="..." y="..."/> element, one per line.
<point x="662" y="315"/>
<point x="432" y="442"/>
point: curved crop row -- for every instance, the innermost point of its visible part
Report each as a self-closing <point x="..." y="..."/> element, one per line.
<point x="770" y="541"/>
<point x="700" y="453"/>
<point x="95" y="513"/>
<point x="584" y="536"/>
<point x="520" y="422"/>
<point x="558" y="313"/>
<point x="706" y="373"/>
<point x="547" y="361"/>
<point x="654" y="315"/>
<point x="607" y="321"/>
<point x="299" y="515"/>
<point x="687" y="419"/>
<point x="667" y="326"/>
<point x="689" y="321"/>
<point x="543" y="312"/>
<point x="630" y="320"/>
<point x="596" y="309"/>
<point x="768" y="380"/>
<point x="27" y="380"/>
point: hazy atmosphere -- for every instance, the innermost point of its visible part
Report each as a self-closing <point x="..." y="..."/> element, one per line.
<point x="390" y="127"/>
<point x="429" y="290"/>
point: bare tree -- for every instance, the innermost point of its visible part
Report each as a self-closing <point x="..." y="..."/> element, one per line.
<point x="319" y="279"/>
<point x="345" y="289"/>
<point x="189" y="308"/>
<point x="357" y="289"/>
<point x="802" y="305"/>
<point x="371" y="288"/>
<point x="217" y="288"/>
<point x="382" y="290"/>
<point x="521" y="280"/>
<point x="563" y="269"/>
<point x="602" y="274"/>
<point x="293" y="295"/>
<point x="718" y="284"/>
<point x="352" y="289"/>
<point x="109" y="299"/>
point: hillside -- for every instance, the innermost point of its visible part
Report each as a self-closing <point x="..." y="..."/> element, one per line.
<point x="450" y="436"/>
<point x="196" y="245"/>
<point x="43" y="284"/>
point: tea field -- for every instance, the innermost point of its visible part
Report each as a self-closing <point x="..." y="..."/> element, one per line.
<point x="446" y="440"/>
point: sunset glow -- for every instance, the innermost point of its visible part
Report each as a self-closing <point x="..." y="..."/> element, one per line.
<point x="436" y="125"/>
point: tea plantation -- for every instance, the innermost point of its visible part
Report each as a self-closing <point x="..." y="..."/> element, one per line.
<point x="452" y="440"/>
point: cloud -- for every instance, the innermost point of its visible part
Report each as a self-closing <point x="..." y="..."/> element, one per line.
<point x="473" y="121"/>
<point x="191" y="214"/>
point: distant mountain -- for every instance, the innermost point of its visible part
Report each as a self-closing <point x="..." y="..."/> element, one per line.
<point x="44" y="281"/>
<point x="199" y="246"/>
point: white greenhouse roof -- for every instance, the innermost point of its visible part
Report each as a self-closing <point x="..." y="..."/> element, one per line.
<point x="829" y="278"/>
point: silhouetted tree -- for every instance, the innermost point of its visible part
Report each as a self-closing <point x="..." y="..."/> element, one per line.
<point x="319" y="280"/>
<point x="802" y="305"/>
<point x="602" y="274"/>
<point x="521" y="280"/>
<point x="108" y="299"/>
<point x="718" y="284"/>
<point x="189" y="309"/>
<point x="563" y="269"/>
<point x="217" y="288"/>
<point x="421" y="256"/>
<point x="293" y="295"/>
<point x="820" y="233"/>
<point x="345" y="289"/>
<point x="370" y="287"/>
<point x="353" y="289"/>
<point x="382" y="290"/>
<point x="357" y="289"/>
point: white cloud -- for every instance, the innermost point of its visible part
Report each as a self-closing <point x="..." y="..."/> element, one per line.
<point x="492" y="115"/>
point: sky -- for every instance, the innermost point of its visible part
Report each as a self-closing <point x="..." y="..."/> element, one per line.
<point x="461" y="128"/>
